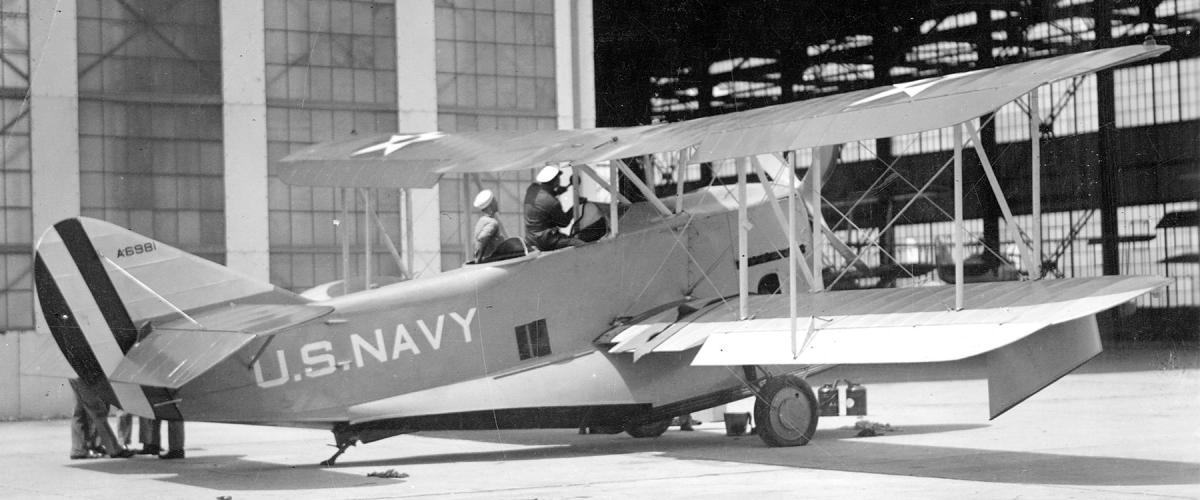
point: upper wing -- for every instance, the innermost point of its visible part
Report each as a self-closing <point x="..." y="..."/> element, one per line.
<point x="893" y="325"/>
<point x="419" y="160"/>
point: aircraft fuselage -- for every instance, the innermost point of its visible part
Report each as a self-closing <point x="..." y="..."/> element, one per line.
<point x="514" y="334"/>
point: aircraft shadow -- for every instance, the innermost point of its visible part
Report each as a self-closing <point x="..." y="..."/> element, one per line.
<point x="834" y="450"/>
<point x="235" y="473"/>
<point x="831" y="449"/>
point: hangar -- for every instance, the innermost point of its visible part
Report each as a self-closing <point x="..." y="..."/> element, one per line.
<point x="166" y="117"/>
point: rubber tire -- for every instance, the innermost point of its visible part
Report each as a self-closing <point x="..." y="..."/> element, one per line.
<point x="648" y="429"/>
<point x="779" y="415"/>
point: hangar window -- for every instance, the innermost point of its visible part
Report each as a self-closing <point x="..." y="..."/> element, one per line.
<point x="533" y="340"/>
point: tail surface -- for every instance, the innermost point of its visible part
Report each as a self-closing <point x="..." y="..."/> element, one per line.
<point x="103" y="288"/>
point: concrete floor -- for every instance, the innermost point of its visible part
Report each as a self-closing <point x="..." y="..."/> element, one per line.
<point x="1125" y="425"/>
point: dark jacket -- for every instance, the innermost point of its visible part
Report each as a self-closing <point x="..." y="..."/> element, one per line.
<point x="543" y="213"/>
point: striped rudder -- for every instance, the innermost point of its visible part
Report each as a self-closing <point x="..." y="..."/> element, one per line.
<point x="101" y="286"/>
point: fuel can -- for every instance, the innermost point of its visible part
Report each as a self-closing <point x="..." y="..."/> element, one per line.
<point x="827" y="400"/>
<point x="856" y="399"/>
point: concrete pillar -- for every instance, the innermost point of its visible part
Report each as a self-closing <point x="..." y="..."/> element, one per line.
<point x="53" y="112"/>
<point x="244" y="116"/>
<point x="584" y="65"/>
<point x="416" y="103"/>
<point x="574" y="59"/>
<point x="564" y="65"/>
<point x="53" y="117"/>
<point x="54" y="152"/>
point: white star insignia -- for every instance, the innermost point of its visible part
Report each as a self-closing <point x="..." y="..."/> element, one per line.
<point x="911" y="88"/>
<point x="398" y="141"/>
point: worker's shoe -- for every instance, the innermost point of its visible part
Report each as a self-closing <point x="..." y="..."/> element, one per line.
<point x="122" y="454"/>
<point x="171" y="455"/>
<point x="149" y="449"/>
<point x="85" y="455"/>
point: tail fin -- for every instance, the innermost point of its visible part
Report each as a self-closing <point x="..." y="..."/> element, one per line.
<point x="99" y="285"/>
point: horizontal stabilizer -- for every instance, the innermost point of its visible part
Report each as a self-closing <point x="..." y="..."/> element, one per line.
<point x="173" y="358"/>
<point x="178" y="352"/>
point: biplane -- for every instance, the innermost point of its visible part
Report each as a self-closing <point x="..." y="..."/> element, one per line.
<point x="654" y="319"/>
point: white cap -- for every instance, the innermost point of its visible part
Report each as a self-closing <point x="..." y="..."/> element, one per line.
<point x="483" y="199"/>
<point x="548" y="173"/>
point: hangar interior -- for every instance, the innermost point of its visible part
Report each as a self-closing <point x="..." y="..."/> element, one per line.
<point x="1120" y="149"/>
<point x="166" y="117"/>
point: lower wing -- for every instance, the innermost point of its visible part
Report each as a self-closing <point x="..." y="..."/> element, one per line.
<point x="1034" y="331"/>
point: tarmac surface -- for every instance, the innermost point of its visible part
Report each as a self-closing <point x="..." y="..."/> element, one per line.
<point x="1125" y="425"/>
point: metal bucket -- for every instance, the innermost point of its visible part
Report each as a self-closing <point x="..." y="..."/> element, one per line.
<point x="736" y="423"/>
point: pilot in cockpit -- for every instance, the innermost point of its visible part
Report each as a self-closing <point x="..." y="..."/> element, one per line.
<point x="544" y="214"/>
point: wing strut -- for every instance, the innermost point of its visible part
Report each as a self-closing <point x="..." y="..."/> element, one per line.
<point x="788" y="220"/>
<point x="344" y="226"/>
<point x="366" y="193"/>
<point x="824" y="154"/>
<point x="641" y="186"/>
<point x="1035" y="160"/>
<point x="743" y="243"/>
<point x="576" y="208"/>
<point x="387" y="242"/>
<point x="791" y="232"/>
<point x="681" y="164"/>
<point x="614" y="192"/>
<point x="606" y="185"/>
<point x="958" y="218"/>
<point x="1013" y="229"/>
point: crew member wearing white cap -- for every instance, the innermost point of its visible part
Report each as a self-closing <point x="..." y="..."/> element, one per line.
<point x="544" y="214"/>
<point x="489" y="232"/>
